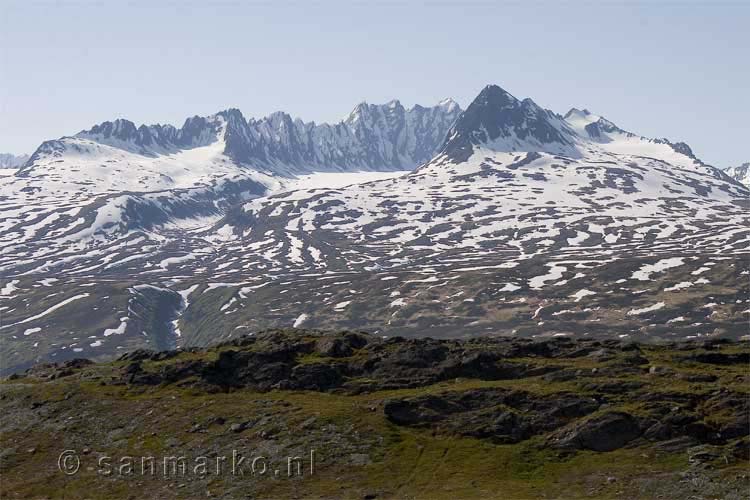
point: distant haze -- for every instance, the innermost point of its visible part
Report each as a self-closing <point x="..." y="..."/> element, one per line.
<point x="660" y="69"/>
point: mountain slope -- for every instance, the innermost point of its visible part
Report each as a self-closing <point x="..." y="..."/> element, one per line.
<point x="105" y="182"/>
<point x="499" y="167"/>
<point x="122" y="177"/>
<point x="524" y="223"/>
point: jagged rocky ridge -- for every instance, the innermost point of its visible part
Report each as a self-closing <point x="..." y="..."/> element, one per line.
<point x="377" y="137"/>
<point x="117" y="177"/>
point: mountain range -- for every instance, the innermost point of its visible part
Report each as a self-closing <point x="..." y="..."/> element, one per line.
<point x="8" y="160"/>
<point x="504" y="219"/>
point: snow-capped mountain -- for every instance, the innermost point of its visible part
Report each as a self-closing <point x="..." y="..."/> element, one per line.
<point x="8" y="160"/>
<point x="372" y="137"/>
<point x="496" y="119"/>
<point x="117" y="177"/>
<point x="509" y="160"/>
<point x="740" y="173"/>
<point x="523" y="222"/>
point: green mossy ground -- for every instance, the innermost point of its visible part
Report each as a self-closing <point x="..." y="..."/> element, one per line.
<point x="359" y="452"/>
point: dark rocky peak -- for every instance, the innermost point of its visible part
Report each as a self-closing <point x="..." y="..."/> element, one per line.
<point x="278" y="123"/>
<point x="197" y="131"/>
<point x="496" y="116"/>
<point x="393" y="105"/>
<point x="240" y="141"/>
<point x="597" y="129"/>
<point x="367" y="115"/>
<point x="123" y="133"/>
<point x="234" y="118"/>
<point x="360" y="112"/>
<point x="121" y="129"/>
<point x="156" y="135"/>
<point x="449" y="105"/>
<point x="683" y="148"/>
<point x="679" y="147"/>
<point x="494" y="96"/>
<point x="573" y="112"/>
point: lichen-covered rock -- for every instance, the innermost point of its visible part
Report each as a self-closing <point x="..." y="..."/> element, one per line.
<point x="606" y="432"/>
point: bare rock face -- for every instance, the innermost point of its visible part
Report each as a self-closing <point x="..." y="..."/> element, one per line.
<point x="500" y="416"/>
<point x="606" y="432"/>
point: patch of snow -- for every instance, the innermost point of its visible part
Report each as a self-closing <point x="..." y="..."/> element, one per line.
<point x="581" y="294"/>
<point x="9" y="288"/>
<point x="645" y="272"/>
<point x="679" y="286"/>
<point x="300" y="319"/>
<point x="120" y="328"/>
<point x="655" y="307"/>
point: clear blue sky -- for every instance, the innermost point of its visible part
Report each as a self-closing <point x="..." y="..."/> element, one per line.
<point x="674" y="69"/>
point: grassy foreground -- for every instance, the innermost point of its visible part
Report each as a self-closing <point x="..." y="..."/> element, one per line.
<point x="392" y="424"/>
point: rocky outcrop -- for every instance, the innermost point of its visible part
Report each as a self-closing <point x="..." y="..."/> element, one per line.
<point x="501" y="416"/>
<point x="566" y="394"/>
<point x="605" y="432"/>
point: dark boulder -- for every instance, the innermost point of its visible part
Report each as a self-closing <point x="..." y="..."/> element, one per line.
<point x="241" y="368"/>
<point x="316" y="376"/>
<point x="134" y="374"/>
<point x="340" y="346"/>
<point x="333" y="347"/>
<point x="606" y="432"/>
<point x="568" y="406"/>
<point x="634" y="359"/>
<point x="719" y="358"/>
<point x="420" y="411"/>
<point x="480" y="365"/>
<point x="659" y="431"/>
<point x="499" y="415"/>
<point x="77" y="363"/>
<point x="181" y="370"/>
<point x="505" y="427"/>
